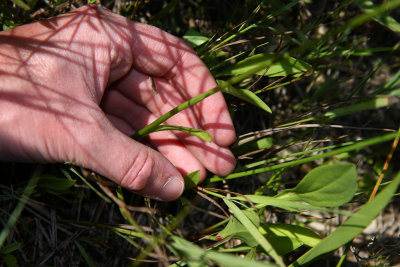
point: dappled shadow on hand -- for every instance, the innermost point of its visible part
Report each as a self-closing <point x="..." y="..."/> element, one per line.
<point x="65" y="65"/>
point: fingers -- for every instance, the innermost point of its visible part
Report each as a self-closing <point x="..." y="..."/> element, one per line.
<point x="215" y="158"/>
<point x="161" y="55"/>
<point x="181" y="67"/>
<point x="106" y="150"/>
<point x="125" y="113"/>
<point x="160" y="96"/>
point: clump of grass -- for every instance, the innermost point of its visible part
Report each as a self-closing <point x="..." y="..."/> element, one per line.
<point x="307" y="89"/>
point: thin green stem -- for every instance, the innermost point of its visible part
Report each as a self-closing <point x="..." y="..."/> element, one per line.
<point x="358" y="145"/>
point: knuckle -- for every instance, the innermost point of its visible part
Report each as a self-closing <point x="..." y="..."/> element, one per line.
<point x="139" y="172"/>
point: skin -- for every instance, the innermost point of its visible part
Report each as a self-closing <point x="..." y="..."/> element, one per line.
<point x="75" y="87"/>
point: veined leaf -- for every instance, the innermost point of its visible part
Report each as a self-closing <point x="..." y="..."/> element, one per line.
<point x="325" y="186"/>
<point x="196" y="132"/>
<point x="274" y="65"/>
<point x="245" y="95"/>
<point x="286" y="237"/>
<point x="352" y="227"/>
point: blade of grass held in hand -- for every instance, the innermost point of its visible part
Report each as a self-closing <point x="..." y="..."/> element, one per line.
<point x="196" y="132"/>
<point x="152" y="127"/>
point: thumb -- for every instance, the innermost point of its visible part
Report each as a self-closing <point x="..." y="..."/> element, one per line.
<point x="131" y="164"/>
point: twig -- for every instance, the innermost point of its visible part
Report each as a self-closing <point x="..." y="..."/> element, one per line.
<point x="385" y="166"/>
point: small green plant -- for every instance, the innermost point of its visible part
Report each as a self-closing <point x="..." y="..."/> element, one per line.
<point x="301" y="90"/>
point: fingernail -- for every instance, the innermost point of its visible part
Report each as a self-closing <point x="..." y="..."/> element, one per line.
<point x="172" y="189"/>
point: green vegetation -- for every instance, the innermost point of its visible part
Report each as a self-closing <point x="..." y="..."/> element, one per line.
<point x="314" y="92"/>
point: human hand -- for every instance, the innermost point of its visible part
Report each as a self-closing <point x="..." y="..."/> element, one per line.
<point x="75" y="87"/>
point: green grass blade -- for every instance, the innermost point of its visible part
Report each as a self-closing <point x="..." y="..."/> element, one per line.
<point x="254" y="232"/>
<point x="194" y="38"/>
<point x="105" y="198"/>
<point x="259" y="144"/>
<point x="196" y="132"/>
<point x="274" y="65"/>
<point x="30" y="187"/>
<point x="153" y="126"/>
<point x="10" y="248"/>
<point x="21" y="4"/>
<point x="245" y="95"/>
<point x="356" y="146"/>
<point x="264" y="201"/>
<point x="84" y="254"/>
<point x="352" y="227"/>
<point x="383" y="19"/>
<point x="167" y="9"/>
<point x="370" y="104"/>
<point x="393" y="83"/>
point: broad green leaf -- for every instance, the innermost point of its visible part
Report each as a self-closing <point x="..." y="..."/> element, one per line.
<point x="352" y="227"/>
<point x="194" y="38"/>
<point x="51" y="183"/>
<point x="238" y="231"/>
<point x="245" y="95"/>
<point x="274" y="65"/>
<point x="325" y="186"/>
<point x="192" y="179"/>
<point x="254" y="232"/>
<point x="383" y="19"/>
<point x="191" y="252"/>
<point x="196" y="132"/>
<point x="286" y="237"/>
